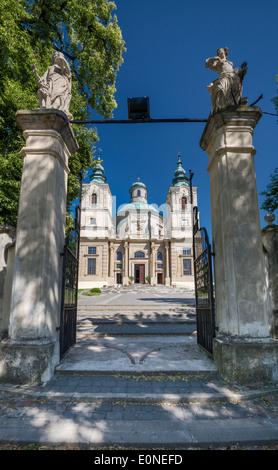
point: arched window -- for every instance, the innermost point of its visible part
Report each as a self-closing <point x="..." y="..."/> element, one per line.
<point x="138" y="192"/>
<point x="183" y="202"/>
<point x="119" y="256"/>
<point x="139" y="254"/>
<point x="159" y="256"/>
<point x="94" y="198"/>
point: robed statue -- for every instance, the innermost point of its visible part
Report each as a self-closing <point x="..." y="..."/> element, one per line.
<point x="227" y="88"/>
<point x="55" y="85"/>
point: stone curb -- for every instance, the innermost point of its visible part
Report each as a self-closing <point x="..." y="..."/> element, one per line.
<point x="157" y="398"/>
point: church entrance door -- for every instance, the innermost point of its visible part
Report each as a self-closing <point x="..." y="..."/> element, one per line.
<point x="139" y="273"/>
<point x="159" y="278"/>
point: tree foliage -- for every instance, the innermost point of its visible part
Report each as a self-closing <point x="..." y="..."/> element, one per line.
<point x="87" y="33"/>
<point x="270" y="203"/>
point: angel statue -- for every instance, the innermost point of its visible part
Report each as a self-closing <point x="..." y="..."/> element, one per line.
<point x="55" y="85"/>
<point x="227" y="88"/>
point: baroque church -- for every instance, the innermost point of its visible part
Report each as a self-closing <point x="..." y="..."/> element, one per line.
<point x="141" y="243"/>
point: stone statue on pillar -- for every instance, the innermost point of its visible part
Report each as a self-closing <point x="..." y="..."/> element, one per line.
<point x="227" y="88"/>
<point x="55" y="85"/>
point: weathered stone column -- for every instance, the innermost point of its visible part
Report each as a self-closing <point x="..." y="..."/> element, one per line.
<point x="32" y="350"/>
<point x="243" y="348"/>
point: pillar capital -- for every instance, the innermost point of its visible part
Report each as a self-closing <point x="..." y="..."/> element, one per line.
<point x="44" y="119"/>
<point x="236" y="117"/>
<point x="230" y="130"/>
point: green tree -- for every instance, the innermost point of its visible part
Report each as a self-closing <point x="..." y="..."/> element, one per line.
<point x="270" y="203"/>
<point x="87" y="33"/>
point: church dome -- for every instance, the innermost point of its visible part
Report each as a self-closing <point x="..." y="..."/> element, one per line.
<point x="137" y="184"/>
<point x="138" y="205"/>
<point x="138" y="200"/>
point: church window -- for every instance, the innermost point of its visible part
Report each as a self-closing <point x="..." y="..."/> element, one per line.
<point x="91" y="266"/>
<point x="187" y="267"/>
<point x="119" y="266"/>
<point x="183" y="202"/>
<point x="93" y="221"/>
<point x="119" y="256"/>
<point x="138" y="192"/>
<point x="159" y="256"/>
<point x="159" y="266"/>
<point x="186" y="251"/>
<point x="94" y="198"/>
<point x="139" y="254"/>
<point x="92" y="250"/>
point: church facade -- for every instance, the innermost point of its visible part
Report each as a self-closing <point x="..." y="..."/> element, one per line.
<point x="141" y="243"/>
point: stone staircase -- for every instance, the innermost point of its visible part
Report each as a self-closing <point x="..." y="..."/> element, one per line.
<point x="136" y="340"/>
<point x="102" y="321"/>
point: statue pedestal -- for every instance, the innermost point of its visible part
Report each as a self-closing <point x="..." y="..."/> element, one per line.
<point x="32" y="349"/>
<point x="242" y="314"/>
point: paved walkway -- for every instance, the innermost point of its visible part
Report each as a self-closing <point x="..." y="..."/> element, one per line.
<point x="140" y="413"/>
<point x="141" y="391"/>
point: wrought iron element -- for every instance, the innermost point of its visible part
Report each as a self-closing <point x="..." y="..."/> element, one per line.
<point x="68" y="317"/>
<point x="204" y="293"/>
<point x="69" y="298"/>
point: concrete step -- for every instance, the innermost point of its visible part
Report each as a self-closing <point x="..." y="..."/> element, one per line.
<point x="135" y="330"/>
<point x="202" y="387"/>
<point x="137" y="319"/>
<point x="135" y="313"/>
<point x="94" y="326"/>
<point x="154" y="308"/>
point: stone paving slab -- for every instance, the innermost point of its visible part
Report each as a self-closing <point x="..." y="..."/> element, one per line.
<point x="168" y="354"/>
<point x="76" y="421"/>
<point x="138" y="391"/>
<point x="140" y="295"/>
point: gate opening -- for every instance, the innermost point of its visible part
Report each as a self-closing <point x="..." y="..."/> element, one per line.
<point x="204" y="289"/>
<point x="68" y="314"/>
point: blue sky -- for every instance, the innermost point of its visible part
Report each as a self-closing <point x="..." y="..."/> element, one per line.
<point x="167" y="44"/>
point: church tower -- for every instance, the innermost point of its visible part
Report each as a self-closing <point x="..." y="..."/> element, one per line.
<point x="179" y="225"/>
<point x="97" y="205"/>
<point x="179" y="204"/>
<point x="96" y="230"/>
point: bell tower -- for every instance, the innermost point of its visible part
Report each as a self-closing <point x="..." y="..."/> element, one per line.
<point x="97" y="205"/>
<point x="179" y="220"/>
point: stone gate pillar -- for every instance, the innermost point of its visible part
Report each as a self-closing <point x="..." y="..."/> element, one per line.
<point x="32" y="349"/>
<point x="243" y="348"/>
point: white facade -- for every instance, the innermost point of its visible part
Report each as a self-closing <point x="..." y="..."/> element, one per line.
<point x="139" y="242"/>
